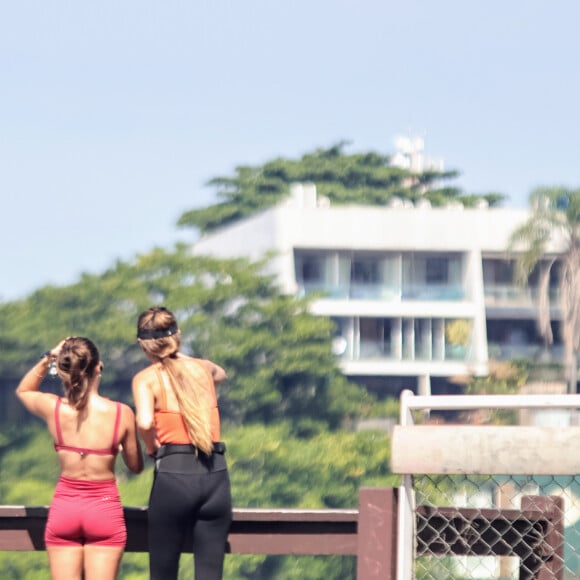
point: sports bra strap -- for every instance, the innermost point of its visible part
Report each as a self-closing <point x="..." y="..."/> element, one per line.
<point x="163" y="383"/>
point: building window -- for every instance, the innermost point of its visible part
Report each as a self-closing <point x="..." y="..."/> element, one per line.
<point x="310" y="269"/>
<point x="375" y="337"/>
<point x="498" y="271"/>
<point x="365" y="271"/>
<point x="436" y="270"/>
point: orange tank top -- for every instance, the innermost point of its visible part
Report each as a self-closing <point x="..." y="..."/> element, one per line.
<point x="170" y="425"/>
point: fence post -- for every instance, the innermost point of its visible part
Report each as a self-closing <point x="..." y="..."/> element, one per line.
<point x="376" y="534"/>
<point x="549" y="564"/>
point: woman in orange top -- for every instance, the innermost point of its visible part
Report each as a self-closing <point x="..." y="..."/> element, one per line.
<point x="178" y="419"/>
<point x="85" y="532"/>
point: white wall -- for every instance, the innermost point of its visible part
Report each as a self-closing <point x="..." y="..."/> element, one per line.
<point x="365" y="227"/>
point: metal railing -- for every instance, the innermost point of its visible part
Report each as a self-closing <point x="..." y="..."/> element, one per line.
<point x="532" y="534"/>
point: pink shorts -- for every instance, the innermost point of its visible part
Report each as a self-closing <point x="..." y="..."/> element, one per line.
<point x="85" y="512"/>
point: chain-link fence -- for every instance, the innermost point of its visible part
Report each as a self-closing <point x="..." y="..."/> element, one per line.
<point x="461" y="518"/>
<point x="484" y="527"/>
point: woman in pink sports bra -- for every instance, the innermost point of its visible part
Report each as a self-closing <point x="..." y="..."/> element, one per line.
<point x="85" y="533"/>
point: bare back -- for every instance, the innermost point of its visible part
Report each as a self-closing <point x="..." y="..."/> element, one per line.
<point x="92" y="428"/>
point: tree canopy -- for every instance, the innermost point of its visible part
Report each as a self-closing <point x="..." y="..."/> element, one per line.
<point x="357" y="178"/>
<point x="278" y="356"/>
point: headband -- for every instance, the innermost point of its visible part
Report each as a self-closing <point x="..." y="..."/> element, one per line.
<point x="147" y="333"/>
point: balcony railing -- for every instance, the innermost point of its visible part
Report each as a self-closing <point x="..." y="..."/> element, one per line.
<point x="433" y="292"/>
<point x="533" y="352"/>
<point x="358" y="291"/>
<point x="377" y="350"/>
<point x="513" y="295"/>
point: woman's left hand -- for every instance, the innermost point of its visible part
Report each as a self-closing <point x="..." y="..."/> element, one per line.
<point x="54" y="352"/>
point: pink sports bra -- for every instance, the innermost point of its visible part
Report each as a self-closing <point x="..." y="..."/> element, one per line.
<point x="60" y="446"/>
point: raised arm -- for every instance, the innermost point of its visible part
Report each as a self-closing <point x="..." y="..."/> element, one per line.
<point x="217" y="372"/>
<point x="38" y="403"/>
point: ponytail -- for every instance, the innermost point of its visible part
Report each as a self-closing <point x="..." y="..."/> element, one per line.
<point x="76" y="365"/>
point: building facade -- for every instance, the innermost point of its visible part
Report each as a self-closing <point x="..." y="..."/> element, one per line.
<point x="420" y="295"/>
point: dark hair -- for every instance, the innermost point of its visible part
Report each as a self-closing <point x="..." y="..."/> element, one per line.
<point x="76" y="365"/>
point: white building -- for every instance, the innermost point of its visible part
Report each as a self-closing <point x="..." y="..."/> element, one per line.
<point x="419" y="294"/>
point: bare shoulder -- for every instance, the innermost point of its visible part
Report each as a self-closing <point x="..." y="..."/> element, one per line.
<point x="126" y="414"/>
<point x="109" y="406"/>
<point x="206" y="364"/>
<point x="43" y="404"/>
<point x="217" y="373"/>
<point x="126" y="410"/>
<point x="145" y="375"/>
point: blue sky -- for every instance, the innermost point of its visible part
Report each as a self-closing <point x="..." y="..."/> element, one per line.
<point x="114" y="116"/>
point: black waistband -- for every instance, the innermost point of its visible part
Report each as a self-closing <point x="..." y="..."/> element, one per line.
<point x="171" y="448"/>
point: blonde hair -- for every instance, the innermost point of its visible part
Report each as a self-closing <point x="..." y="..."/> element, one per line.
<point x="76" y="365"/>
<point x="189" y="382"/>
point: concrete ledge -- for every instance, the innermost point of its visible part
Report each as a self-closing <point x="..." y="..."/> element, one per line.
<point x="485" y="450"/>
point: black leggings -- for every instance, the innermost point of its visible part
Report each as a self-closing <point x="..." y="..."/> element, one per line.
<point x="190" y="498"/>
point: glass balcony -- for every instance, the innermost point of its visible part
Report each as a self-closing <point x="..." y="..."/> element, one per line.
<point x="374" y="292"/>
<point x="532" y="352"/>
<point x="433" y="292"/>
<point x="385" y="292"/>
<point x="370" y="349"/>
<point x="377" y="350"/>
<point x="328" y="290"/>
<point x="456" y="352"/>
<point x="513" y="295"/>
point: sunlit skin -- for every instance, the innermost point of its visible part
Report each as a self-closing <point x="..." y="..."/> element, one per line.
<point x="85" y="428"/>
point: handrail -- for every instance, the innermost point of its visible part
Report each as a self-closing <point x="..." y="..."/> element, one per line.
<point x="462" y="402"/>
<point x="367" y="532"/>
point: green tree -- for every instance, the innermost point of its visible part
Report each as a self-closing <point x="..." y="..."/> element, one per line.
<point x="359" y="178"/>
<point x="269" y="467"/>
<point x="278" y="356"/>
<point x="554" y="222"/>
